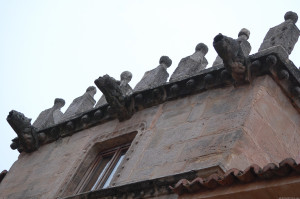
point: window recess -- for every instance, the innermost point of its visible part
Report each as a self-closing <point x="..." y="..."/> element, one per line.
<point x="100" y="174"/>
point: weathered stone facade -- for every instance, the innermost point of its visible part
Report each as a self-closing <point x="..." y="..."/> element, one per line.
<point x="203" y="125"/>
<point x="225" y="127"/>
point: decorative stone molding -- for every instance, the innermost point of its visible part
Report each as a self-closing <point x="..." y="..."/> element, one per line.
<point x="155" y="77"/>
<point x="119" y="103"/>
<point x="242" y="39"/>
<point x="81" y="104"/>
<point x="285" y="34"/>
<point x="27" y="139"/>
<point x="191" y="65"/>
<point x="126" y="89"/>
<point x="239" y="68"/>
<point x="234" y="59"/>
<point x="272" y="61"/>
<point x="51" y="116"/>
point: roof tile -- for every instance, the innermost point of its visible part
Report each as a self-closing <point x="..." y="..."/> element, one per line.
<point x="233" y="176"/>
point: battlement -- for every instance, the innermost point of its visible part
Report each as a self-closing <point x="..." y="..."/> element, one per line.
<point x="233" y="66"/>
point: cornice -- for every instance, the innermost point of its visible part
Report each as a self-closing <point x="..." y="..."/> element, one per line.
<point x="273" y="61"/>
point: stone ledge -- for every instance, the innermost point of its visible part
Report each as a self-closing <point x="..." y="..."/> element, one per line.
<point x="147" y="188"/>
<point x="273" y="61"/>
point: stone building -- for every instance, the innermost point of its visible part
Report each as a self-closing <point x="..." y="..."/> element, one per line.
<point x="229" y="131"/>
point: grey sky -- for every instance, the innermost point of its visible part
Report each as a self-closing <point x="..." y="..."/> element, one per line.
<point x="58" y="48"/>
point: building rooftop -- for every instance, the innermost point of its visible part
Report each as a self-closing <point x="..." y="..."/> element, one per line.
<point x="82" y="125"/>
<point x="236" y="68"/>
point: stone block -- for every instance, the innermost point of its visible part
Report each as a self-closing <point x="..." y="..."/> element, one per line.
<point x="155" y="77"/>
<point x="196" y="148"/>
<point x="221" y="105"/>
<point x="191" y="65"/>
<point x="282" y="101"/>
<point x="254" y="122"/>
<point x="267" y="107"/>
<point x="81" y="104"/>
<point x="147" y="115"/>
<point x="209" y="145"/>
<point x="173" y="117"/>
<point x="225" y="122"/>
<point x="155" y="138"/>
<point x="266" y="139"/>
<point x="217" y="93"/>
<point x="141" y="174"/>
<point x="285" y="34"/>
<point x="246" y="152"/>
<point x="51" y="116"/>
<point x="159" y="156"/>
<point x="178" y="103"/>
<point x="197" y="112"/>
<point x="201" y="96"/>
<point x="203" y="162"/>
<point x="136" y="151"/>
<point x="176" y="135"/>
<point x="168" y="169"/>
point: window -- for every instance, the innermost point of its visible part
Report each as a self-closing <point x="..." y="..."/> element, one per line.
<point x="102" y="170"/>
<point x="98" y="164"/>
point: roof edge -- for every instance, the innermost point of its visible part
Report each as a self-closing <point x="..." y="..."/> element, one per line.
<point x="273" y="61"/>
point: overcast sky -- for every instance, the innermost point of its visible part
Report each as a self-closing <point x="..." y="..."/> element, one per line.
<point x="57" y="48"/>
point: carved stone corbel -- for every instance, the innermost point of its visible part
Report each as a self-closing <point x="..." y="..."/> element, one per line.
<point x="27" y="139"/>
<point x="234" y="60"/>
<point x="119" y="103"/>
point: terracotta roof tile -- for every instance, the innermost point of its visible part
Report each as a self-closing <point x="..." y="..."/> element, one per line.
<point x="233" y="176"/>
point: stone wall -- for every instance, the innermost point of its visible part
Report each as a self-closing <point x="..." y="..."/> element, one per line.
<point x="271" y="131"/>
<point x="225" y="127"/>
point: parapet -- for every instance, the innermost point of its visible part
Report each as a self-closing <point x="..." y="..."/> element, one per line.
<point x="51" y="116"/>
<point x="191" y="65"/>
<point x="81" y="104"/>
<point x="236" y="68"/>
<point x="156" y="76"/>
<point x="285" y="34"/>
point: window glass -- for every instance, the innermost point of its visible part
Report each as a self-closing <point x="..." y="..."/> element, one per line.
<point x="106" y="163"/>
<point x="113" y="172"/>
<point x="103" y="169"/>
